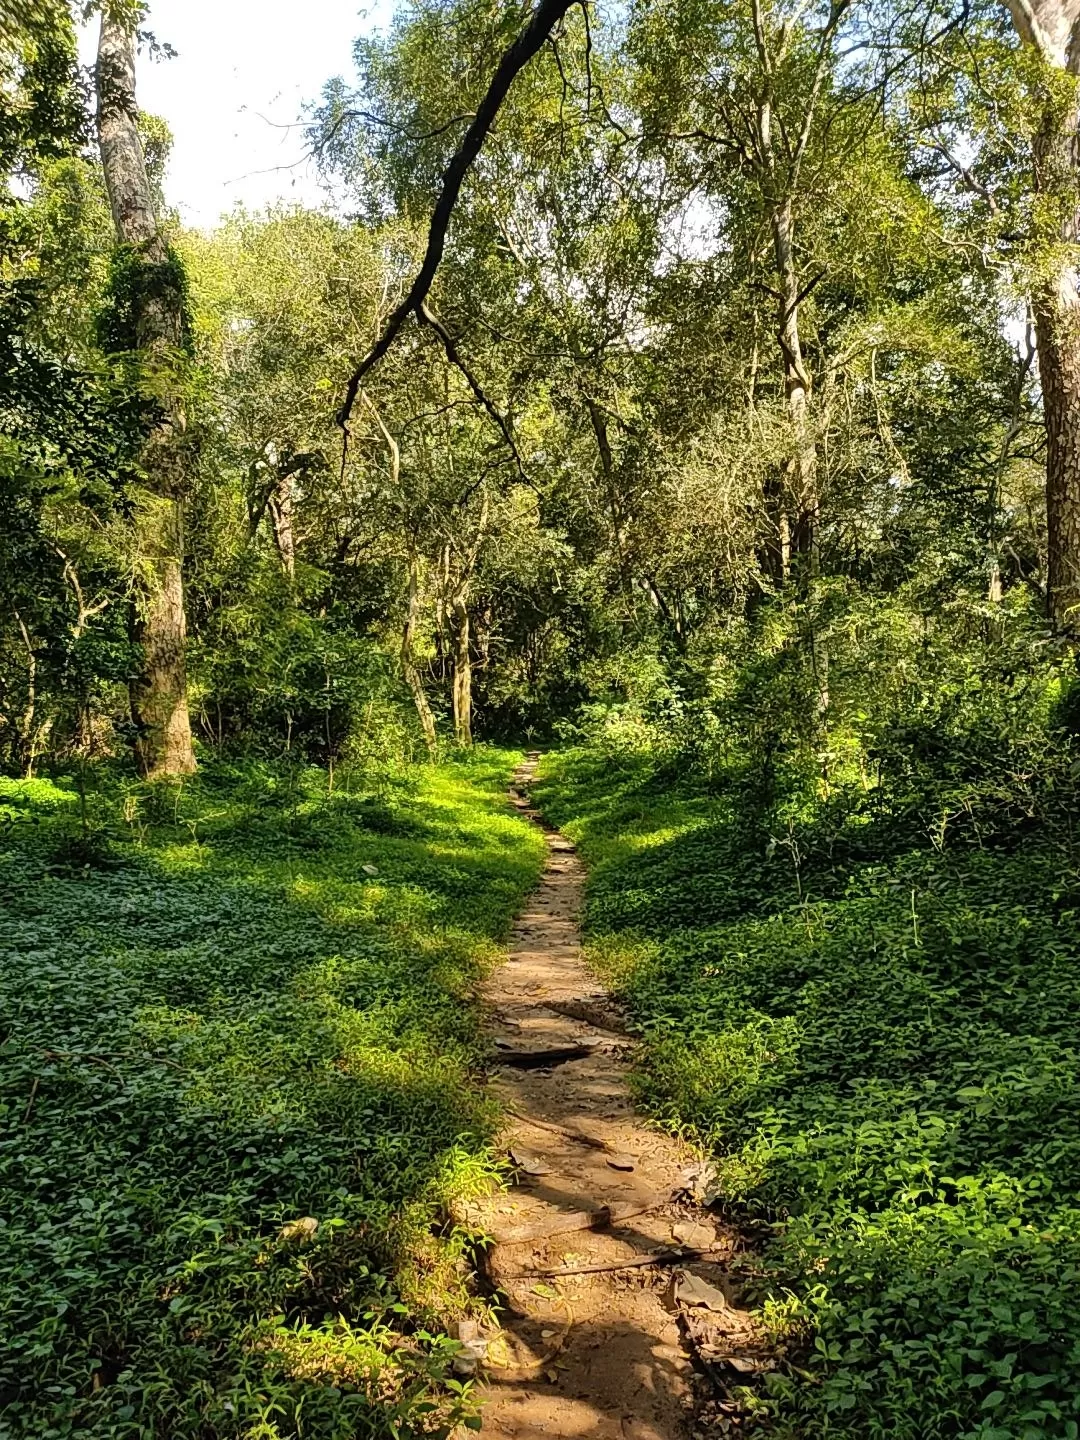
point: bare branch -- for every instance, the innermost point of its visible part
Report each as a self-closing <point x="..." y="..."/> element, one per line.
<point x="836" y="14"/>
<point x="454" y="355"/>
<point x="760" y="39"/>
<point x="543" y="20"/>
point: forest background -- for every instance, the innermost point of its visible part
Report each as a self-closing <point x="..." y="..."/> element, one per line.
<point x="735" y="451"/>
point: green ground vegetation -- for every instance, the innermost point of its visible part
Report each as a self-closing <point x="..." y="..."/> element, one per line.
<point x="230" y="1009"/>
<point x="871" y="1022"/>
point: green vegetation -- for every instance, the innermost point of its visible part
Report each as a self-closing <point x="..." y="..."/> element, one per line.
<point x="227" y="1008"/>
<point x="735" y="443"/>
<point x="865" y="1000"/>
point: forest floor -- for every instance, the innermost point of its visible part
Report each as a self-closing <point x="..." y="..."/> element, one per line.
<point x="241" y="1066"/>
<point x="260" y="1038"/>
<point x="613" y="1280"/>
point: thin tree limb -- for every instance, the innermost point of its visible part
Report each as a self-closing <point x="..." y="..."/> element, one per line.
<point x="454" y="355"/>
<point x="654" y="1257"/>
<point x="33" y="1096"/>
<point x="836" y="14"/>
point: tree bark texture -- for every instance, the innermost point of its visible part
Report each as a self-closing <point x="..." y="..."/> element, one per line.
<point x="1053" y="28"/>
<point x="281" y="505"/>
<point x="159" y="693"/>
<point x="1056" y="306"/>
<point x="598" y="420"/>
<point x="408" y="659"/>
<point x="462" y="673"/>
<point x="801" y="500"/>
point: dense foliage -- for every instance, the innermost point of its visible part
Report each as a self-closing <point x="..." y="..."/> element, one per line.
<point x="228" y="1014"/>
<point x="862" y="997"/>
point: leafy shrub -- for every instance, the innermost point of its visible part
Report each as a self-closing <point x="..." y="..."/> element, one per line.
<point x="857" y="985"/>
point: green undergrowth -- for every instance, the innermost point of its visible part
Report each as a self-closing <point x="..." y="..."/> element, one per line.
<point x="231" y="1010"/>
<point x="877" y="1038"/>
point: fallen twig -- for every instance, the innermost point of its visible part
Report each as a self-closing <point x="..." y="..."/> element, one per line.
<point x="590" y="1140"/>
<point x="654" y="1257"/>
<point x="33" y="1097"/>
<point x="572" y="1221"/>
<point x="587" y="1015"/>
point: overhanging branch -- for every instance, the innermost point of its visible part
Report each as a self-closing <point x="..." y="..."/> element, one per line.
<point x="543" y="20"/>
<point x="453" y="354"/>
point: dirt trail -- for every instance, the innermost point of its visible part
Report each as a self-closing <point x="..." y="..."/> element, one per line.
<point x="609" y="1353"/>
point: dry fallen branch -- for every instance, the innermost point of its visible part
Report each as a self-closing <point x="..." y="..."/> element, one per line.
<point x="589" y="1140"/>
<point x="571" y="1222"/>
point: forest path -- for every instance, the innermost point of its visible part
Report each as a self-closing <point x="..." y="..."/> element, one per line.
<point x="611" y="1352"/>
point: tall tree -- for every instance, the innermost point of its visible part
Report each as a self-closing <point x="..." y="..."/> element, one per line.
<point x="751" y="94"/>
<point x="1052" y="28"/>
<point x="150" y="324"/>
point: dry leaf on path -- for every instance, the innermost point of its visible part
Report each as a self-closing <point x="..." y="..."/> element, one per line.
<point x="692" y="1290"/>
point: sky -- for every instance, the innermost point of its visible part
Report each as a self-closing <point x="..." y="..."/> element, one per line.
<point x="242" y="64"/>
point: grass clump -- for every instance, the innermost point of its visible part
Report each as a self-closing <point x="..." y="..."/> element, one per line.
<point x="877" y="1036"/>
<point x="237" y="1094"/>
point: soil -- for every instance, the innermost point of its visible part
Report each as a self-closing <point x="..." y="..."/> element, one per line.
<point x="597" y="1246"/>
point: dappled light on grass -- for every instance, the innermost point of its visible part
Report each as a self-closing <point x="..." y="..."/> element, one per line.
<point x="222" y="1027"/>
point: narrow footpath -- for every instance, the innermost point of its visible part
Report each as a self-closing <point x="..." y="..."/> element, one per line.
<point x="618" y="1319"/>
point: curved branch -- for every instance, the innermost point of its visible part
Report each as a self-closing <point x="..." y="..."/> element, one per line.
<point x="542" y="21"/>
<point x="454" y="355"/>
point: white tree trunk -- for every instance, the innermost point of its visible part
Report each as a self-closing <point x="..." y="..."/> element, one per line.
<point x="1052" y="27"/>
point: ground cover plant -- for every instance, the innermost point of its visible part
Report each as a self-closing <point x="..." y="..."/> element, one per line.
<point x="231" y="1010"/>
<point x="877" y="1037"/>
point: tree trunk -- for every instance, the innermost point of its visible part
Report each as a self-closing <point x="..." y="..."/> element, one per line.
<point x="155" y="303"/>
<point x="1056" y="306"/>
<point x="607" y="469"/>
<point x="408" y="661"/>
<point x="801" y="469"/>
<point x="462" y="680"/>
<point x="25" y="732"/>
<point x="1051" y="27"/>
<point x="775" y="554"/>
<point x="282" y="519"/>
